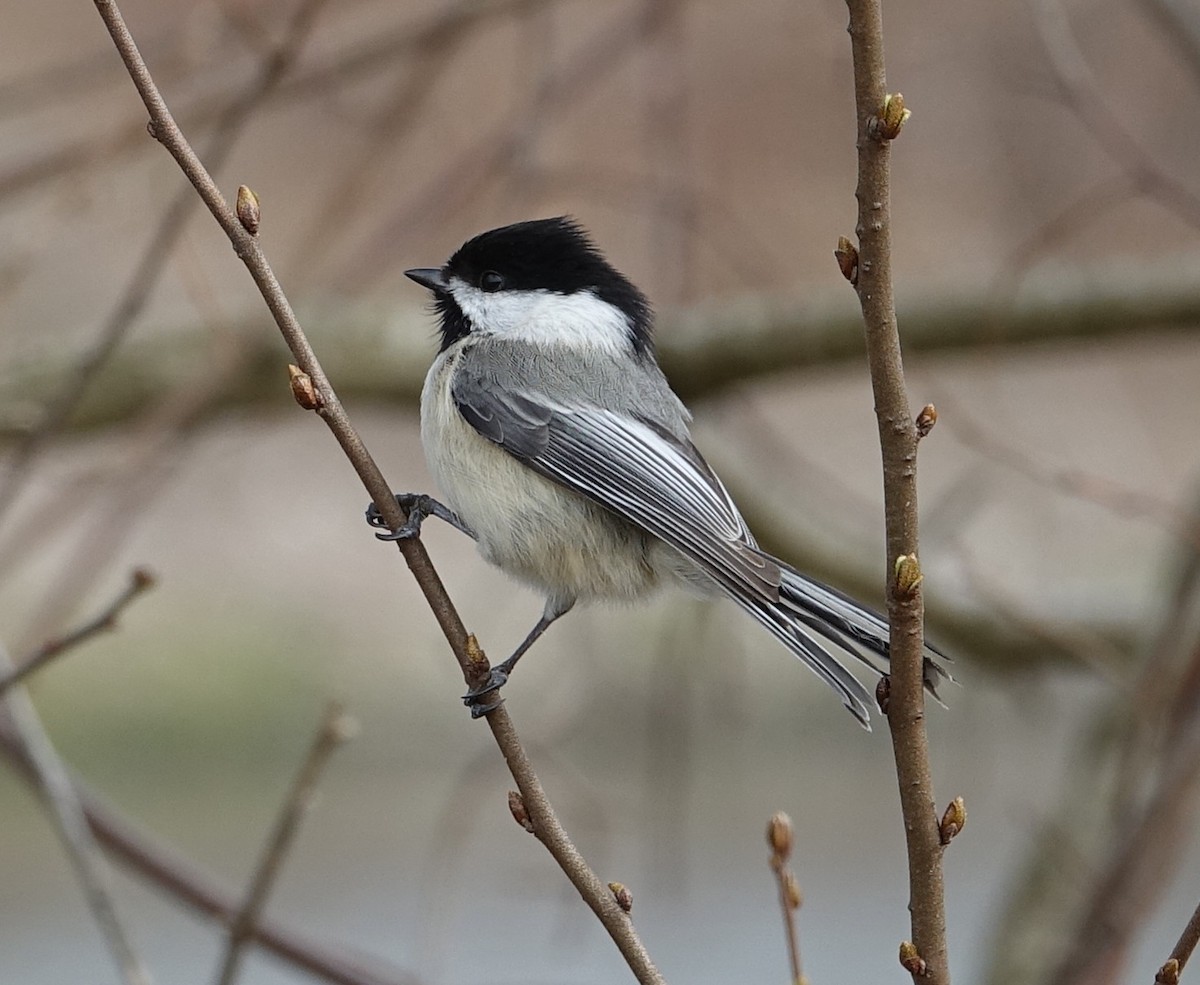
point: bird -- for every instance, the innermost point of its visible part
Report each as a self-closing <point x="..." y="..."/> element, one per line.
<point x="561" y="449"/>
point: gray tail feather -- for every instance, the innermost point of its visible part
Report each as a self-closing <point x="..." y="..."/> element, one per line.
<point x="783" y="625"/>
<point x="851" y="626"/>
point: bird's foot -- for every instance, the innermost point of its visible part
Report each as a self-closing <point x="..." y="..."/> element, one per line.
<point x="479" y="699"/>
<point x="416" y="506"/>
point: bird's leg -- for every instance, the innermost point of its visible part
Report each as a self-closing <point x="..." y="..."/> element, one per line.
<point x="416" y="506"/>
<point x="499" y="675"/>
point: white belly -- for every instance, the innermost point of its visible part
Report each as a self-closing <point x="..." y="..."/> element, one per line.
<point x="535" y="530"/>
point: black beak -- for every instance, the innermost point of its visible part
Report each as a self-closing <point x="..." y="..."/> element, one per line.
<point x="430" y="277"/>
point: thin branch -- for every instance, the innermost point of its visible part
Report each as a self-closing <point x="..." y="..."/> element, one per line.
<point x="336" y="728"/>
<point x="1111" y="843"/>
<point x="1086" y="97"/>
<point x="1183" y="947"/>
<point x="54" y="783"/>
<point x="781" y="838"/>
<point x="898" y="443"/>
<point x="169" y="872"/>
<point x="382" y="50"/>
<point x="139" y="581"/>
<point x="155" y="257"/>
<point x="471" y="660"/>
<point x="1123" y="500"/>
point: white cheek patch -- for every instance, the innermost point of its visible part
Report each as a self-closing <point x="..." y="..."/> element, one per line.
<point x="580" y="320"/>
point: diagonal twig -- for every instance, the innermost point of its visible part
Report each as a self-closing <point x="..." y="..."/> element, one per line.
<point x="139" y="582"/>
<point x="336" y="728"/>
<point x="1169" y="973"/>
<point x="160" y="866"/>
<point x="470" y="657"/>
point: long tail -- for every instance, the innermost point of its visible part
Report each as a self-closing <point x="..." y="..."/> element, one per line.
<point x="815" y="622"/>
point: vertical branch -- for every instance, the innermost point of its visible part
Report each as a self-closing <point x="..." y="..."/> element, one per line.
<point x="879" y="120"/>
<point x="781" y="838"/>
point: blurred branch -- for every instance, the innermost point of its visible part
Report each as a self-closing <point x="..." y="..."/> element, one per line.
<point x="880" y="117"/>
<point x="53" y="781"/>
<point x="1111" y="843"/>
<point x="666" y="122"/>
<point x="139" y="582"/>
<point x="1121" y="499"/>
<point x="178" y="878"/>
<point x="381" y="354"/>
<point x="381" y="50"/>
<point x="491" y="156"/>
<point x="1180" y="22"/>
<point x="1087" y="99"/>
<point x="325" y="402"/>
<point x="155" y="257"/>
<point x="336" y="727"/>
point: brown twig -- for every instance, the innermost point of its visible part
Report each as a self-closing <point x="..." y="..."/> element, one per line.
<point x="139" y="582"/>
<point x="1182" y="950"/>
<point x="878" y="122"/>
<point x="780" y="838"/>
<point x="471" y="660"/>
<point x="162" y="867"/>
<point x="336" y="728"/>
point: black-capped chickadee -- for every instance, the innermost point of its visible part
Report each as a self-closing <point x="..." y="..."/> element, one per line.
<point x="562" y="450"/>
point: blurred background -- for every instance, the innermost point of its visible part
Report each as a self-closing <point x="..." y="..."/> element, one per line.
<point x="1046" y="222"/>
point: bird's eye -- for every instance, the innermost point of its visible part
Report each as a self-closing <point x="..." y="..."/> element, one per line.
<point x="491" y="282"/>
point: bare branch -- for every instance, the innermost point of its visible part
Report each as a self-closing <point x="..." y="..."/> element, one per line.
<point x="336" y="728"/>
<point x="470" y="657"/>
<point x="880" y="118"/>
<point x="54" y="783"/>
<point x="1169" y="974"/>
<point x="781" y="838"/>
<point x="139" y="581"/>
<point x="165" y="869"/>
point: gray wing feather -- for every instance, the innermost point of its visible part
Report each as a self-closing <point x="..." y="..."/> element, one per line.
<point x="639" y="470"/>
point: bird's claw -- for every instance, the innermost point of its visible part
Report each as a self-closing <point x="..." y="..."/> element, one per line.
<point x="416" y="507"/>
<point x="496" y="679"/>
